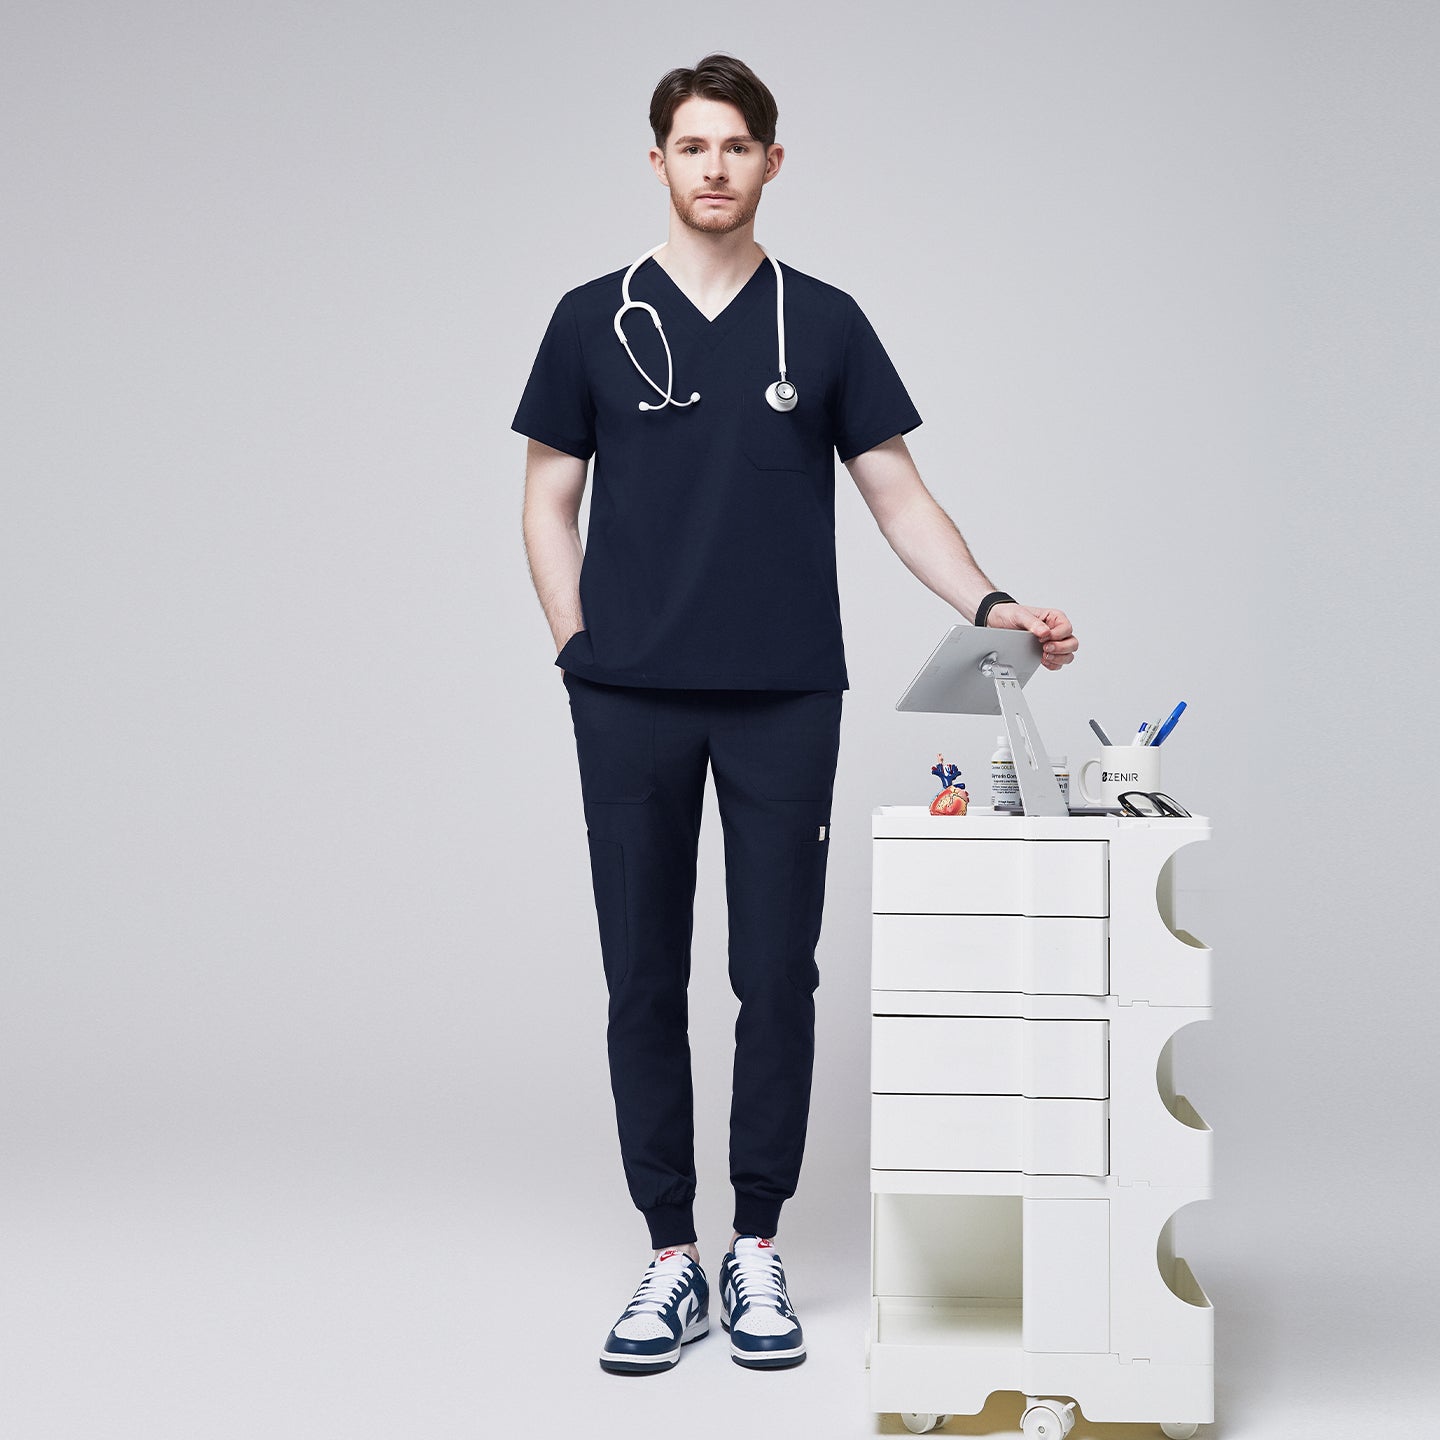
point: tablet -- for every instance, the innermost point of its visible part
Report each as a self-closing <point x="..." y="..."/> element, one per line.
<point x="951" y="681"/>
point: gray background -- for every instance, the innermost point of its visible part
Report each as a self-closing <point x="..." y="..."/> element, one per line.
<point x="305" y="1121"/>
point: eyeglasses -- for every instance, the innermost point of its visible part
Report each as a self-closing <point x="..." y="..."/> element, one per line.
<point x="1151" y="803"/>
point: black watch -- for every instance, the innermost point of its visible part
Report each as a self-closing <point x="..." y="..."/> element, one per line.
<point x="995" y="597"/>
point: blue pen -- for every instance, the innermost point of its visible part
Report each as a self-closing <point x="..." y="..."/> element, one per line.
<point x="1169" y="725"/>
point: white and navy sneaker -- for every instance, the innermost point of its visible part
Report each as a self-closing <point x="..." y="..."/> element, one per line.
<point x="764" y="1331"/>
<point x="670" y="1309"/>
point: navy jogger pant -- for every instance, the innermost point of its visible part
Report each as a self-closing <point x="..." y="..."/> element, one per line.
<point x="643" y="754"/>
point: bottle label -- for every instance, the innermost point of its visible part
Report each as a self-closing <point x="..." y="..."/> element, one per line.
<point x="1004" y="785"/>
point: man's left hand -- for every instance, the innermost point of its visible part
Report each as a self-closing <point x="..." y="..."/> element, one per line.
<point x="1051" y="627"/>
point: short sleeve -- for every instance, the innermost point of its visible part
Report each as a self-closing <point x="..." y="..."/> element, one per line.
<point x="871" y="402"/>
<point x="557" y="408"/>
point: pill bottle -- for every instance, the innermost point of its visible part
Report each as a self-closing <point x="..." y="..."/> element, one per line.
<point x="1061" y="766"/>
<point x="1004" y="783"/>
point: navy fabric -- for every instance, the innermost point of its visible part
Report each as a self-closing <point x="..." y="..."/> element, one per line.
<point x="643" y="756"/>
<point x="710" y="555"/>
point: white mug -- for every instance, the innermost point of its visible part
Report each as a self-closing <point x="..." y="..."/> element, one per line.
<point x="1122" y="768"/>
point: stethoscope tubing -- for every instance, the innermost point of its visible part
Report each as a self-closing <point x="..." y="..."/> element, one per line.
<point x="628" y="304"/>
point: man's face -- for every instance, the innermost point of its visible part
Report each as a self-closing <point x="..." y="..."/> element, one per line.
<point x="713" y="166"/>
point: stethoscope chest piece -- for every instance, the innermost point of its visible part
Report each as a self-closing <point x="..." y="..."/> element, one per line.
<point x="781" y="395"/>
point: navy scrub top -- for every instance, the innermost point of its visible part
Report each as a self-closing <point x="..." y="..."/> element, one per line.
<point x="710" y="556"/>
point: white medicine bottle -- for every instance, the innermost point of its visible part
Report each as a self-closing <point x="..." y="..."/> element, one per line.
<point x="1059" y="764"/>
<point x="1004" y="783"/>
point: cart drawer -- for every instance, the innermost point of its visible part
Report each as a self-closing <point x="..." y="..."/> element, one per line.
<point x="988" y="1132"/>
<point x="990" y="877"/>
<point x="990" y="1055"/>
<point x="1030" y="954"/>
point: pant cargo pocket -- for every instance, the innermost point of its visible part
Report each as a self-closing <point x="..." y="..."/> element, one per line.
<point x="807" y="904"/>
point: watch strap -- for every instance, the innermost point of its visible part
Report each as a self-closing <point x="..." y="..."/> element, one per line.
<point x="995" y="597"/>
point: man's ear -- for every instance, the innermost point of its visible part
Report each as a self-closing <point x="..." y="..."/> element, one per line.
<point x="657" y="163"/>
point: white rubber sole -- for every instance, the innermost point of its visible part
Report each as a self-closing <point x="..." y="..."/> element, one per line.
<point x="648" y="1364"/>
<point x="760" y="1358"/>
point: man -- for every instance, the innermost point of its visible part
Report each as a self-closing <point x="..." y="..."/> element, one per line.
<point x="700" y="628"/>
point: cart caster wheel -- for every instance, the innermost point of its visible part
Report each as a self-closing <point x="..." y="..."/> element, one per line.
<point x="917" y="1422"/>
<point x="1047" y="1419"/>
<point x="1179" y="1430"/>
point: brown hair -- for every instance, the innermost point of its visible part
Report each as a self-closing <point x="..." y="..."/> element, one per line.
<point x="716" y="77"/>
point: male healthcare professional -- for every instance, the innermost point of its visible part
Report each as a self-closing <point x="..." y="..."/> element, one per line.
<point x="700" y="627"/>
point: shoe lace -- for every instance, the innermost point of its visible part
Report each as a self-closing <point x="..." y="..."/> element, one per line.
<point x="657" y="1291"/>
<point x="760" y="1281"/>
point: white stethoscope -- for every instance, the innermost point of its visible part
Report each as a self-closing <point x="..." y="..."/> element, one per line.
<point x="781" y="394"/>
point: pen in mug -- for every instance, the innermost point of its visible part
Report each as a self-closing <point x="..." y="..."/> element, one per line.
<point x="1170" y="724"/>
<point x="1095" y="726"/>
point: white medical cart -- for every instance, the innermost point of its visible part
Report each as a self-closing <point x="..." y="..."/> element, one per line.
<point x="1029" y="1152"/>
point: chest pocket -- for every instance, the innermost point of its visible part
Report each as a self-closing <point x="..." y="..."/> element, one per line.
<point x="795" y="439"/>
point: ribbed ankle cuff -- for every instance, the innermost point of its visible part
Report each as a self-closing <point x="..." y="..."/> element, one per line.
<point x="671" y="1225"/>
<point x="757" y="1217"/>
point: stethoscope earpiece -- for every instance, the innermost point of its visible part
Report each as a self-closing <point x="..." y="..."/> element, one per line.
<point x="694" y="396"/>
<point x="781" y="395"/>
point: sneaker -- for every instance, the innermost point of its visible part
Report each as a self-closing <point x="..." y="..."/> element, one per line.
<point x="764" y="1331"/>
<point x="670" y="1309"/>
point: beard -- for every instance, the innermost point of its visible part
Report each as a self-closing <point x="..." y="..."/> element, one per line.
<point x="715" y="222"/>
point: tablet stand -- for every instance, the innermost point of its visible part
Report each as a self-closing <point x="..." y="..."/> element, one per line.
<point x="1039" y="789"/>
<point x="980" y="672"/>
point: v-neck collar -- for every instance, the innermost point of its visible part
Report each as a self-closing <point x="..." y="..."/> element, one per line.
<point x="737" y="303"/>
